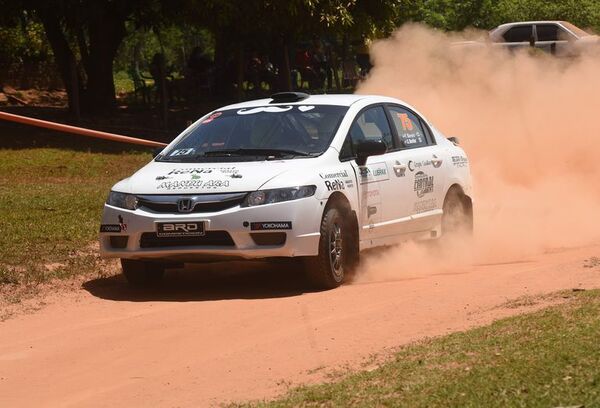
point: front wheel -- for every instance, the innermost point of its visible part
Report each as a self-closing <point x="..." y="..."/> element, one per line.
<point x="142" y="273"/>
<point x="327" y="270"/>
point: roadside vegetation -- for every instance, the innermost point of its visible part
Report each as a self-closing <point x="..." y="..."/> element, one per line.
<point x="51" y="202"/>
<point x="549" y="358"/>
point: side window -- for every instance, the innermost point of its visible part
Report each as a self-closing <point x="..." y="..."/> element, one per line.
<point x="408" y="127"/>
<point x="371" y="124"/>
<point x="518" y="34"/>
<point x="547" y="32"/>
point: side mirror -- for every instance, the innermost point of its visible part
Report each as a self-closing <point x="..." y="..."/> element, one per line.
<point x="454" y="140"/>
<point x="368" y="148"/>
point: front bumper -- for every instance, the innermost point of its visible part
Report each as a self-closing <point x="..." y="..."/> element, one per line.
<point x="301" y="240"/>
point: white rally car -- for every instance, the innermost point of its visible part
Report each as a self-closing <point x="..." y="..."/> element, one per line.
<point x="312" y="178"/>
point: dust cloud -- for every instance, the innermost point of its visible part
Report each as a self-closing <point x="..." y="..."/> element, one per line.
<point x="530" y="124"/>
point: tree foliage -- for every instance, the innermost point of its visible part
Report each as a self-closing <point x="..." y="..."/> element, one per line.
<point x="86" y="37"/>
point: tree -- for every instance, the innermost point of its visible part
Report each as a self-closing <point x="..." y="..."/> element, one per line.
<point x="84" y="36"/>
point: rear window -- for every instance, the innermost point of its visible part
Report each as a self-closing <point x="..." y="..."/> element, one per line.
<point x="575" y="30"/>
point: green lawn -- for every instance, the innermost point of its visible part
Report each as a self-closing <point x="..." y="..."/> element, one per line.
<point x="50" y="205"/>
<point x="545" y="359"/>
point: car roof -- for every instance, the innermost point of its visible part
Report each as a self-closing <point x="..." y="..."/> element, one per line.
<point x="329" y="99"/>
<point x="515" y="23"/>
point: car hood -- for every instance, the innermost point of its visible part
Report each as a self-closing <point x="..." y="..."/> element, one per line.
<point x="203" y="178"/>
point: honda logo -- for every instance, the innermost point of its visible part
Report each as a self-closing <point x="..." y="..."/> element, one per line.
<point x="185" y="205"/>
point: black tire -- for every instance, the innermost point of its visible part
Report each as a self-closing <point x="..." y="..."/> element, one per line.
<point x="457" y="218"/>
<point x="336" y="251"/>
<point x="142" y="273"/>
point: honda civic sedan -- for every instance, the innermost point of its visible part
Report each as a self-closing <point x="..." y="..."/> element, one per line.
<point x="313" y="179"/>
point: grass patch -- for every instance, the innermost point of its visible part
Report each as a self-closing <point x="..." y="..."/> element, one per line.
<point x="51" y="203"/>
<point x="546" y="359"/>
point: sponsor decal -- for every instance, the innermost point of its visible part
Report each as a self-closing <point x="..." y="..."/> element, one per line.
<point x="425" y="205"/>
<point x="235" y="175"/>
<point x="228" y="171"/>
<point x="183" y="152"/>
<point x="163" y="177"/>
<point x="335" y="185"/>
<point x="191" y="170"/>
<point x="110" y="228"/>
<point x="414" y="165"/>
<point x="122" y="224"/>
<point x="267" y="109"/>
<point x="271" y="225"/>
<point x="211" y="117"/>
<point x="373" y="172"/>
<point x="423" y="184"/>
<point x="399" y="170"/>
<point x="192" y="184"/>
<point x="120" y="227"/>
<point x="178" y="229"/>
<point x="460" y="161"/>
<point x="337" y="174"/>
<point x="349" y="183"/>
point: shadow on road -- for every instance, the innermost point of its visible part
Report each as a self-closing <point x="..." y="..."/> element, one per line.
<point x="217" y="281"/>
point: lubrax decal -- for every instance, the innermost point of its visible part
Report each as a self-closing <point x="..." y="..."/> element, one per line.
<point x="334" y="185"/>
<point x="273" y="225"/>
<point x="110" y="228"/>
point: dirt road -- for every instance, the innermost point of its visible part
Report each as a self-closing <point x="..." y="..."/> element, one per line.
<point x="209" y="338"/>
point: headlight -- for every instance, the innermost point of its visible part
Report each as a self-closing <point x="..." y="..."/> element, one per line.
<point x="122" y="200"/>
<point x="278" y="195"/>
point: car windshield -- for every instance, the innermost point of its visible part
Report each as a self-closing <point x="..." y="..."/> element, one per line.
<point x="289" y="131"/>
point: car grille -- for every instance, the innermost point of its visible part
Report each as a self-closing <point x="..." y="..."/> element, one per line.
<point x="205" y="203"/>
<point x="211" y="238"/>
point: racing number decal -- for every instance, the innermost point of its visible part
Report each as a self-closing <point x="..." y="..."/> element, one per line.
<point x="405" y="121"/>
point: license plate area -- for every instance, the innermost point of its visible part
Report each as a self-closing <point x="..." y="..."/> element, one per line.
<point x="180" y="229"/>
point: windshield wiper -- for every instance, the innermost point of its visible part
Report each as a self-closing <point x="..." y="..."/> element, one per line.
<point x="256" y="152"/>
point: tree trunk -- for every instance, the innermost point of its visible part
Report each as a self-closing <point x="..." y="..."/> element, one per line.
<point x="64" y="57"/>
<point x="105" y="32"/>
<point x="240" y="72"/>
<point x="287" y="71"/>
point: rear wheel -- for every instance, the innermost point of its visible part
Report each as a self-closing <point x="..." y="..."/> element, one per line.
<point x="141" y="273"/>
<point x="336" y="251"/>
<point x="458" y="215"/>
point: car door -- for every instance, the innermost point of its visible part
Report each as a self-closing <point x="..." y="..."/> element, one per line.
<point x="373" y="179"/>
<point x="553" y="39"/>
<point x="419" y="173"/>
